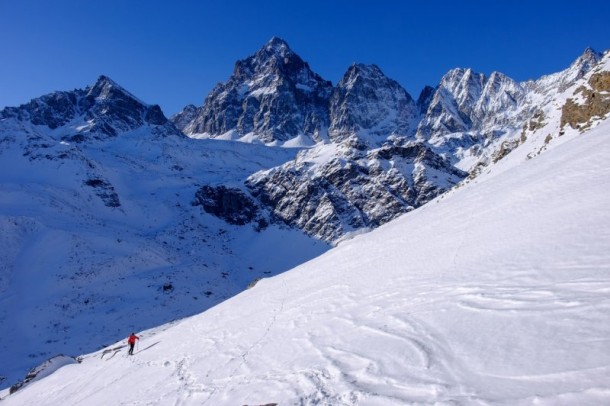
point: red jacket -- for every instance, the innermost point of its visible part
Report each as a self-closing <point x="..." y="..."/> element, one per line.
<point x="132" y="339"/>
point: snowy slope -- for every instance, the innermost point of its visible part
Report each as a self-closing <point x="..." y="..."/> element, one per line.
<point x="99" y="234"/>
<point x="496" y="293"/>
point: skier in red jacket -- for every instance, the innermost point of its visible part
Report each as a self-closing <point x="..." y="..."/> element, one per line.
<point x="132" y="341"/>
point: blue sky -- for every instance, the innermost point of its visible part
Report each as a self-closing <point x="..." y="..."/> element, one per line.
<point x="172" y="53"/>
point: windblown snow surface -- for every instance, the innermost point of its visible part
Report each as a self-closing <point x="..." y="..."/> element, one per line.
<point x="497" y="293"/>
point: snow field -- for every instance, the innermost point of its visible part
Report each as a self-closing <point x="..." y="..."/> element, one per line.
<point x="497" y="293"/>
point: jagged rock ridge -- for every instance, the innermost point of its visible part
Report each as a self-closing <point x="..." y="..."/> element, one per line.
<point x="99" y="111"/>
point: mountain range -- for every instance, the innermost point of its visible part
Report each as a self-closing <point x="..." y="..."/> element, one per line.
<point x="117" y="218"/>
<point x="373" y="151"/>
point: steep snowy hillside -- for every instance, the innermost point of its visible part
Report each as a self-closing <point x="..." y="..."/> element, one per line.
<point x="103" y="230"/>
<point x="496" y="293"/>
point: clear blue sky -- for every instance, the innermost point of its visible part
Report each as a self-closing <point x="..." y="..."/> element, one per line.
<point x="172" y="53"/>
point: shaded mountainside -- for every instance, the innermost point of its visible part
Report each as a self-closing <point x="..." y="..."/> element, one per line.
<point x="102" y="229"/>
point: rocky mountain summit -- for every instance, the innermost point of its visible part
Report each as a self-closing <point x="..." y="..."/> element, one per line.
<point x="365" y="100"/>
<point x="273" y="95"/>
<point x="366" y="167"/>
<point x="97" y="112"/>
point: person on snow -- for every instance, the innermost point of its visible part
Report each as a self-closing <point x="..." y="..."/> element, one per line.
<point x="132" y="341"/>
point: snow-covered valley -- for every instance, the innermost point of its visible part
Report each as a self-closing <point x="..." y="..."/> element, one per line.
<point x="108" y="239"/>
<point x="496" y="293"/>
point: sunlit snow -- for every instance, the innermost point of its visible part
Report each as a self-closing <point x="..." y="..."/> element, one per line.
<point x="496" y="293"/>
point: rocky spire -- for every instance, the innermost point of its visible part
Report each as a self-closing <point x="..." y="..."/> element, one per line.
<point x="273" y="95"/>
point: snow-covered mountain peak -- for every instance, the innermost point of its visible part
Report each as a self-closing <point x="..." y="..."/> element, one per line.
<point x="275" y="58"/>
<point x="581" y="66"/>
<point x="277" y="46"/>
<point x="589" y="58"/>
<point x="110" y="109"/>
<point x="460" y="76"/>
<point x="102" y="110"/>
<point x="464" y="83"/>
<point x="550" y="85"/>
<point x="498" y="77"/>
<point x="107" y="89"/>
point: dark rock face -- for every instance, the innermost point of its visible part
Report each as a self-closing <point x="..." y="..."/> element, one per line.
<point x="356" y="190"/>
<point x="273" y="93"/>
<point x="424" y="99"/>
<point x="229" y="204"/>
<point x="52" y="110"/>
<point x="155" y="116"/>
<point x="367" y="100"/>
<point x="183" y="118"/>
<point x="105" y="191"/>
